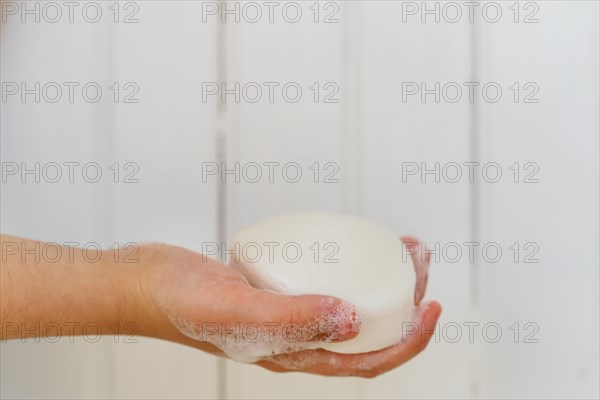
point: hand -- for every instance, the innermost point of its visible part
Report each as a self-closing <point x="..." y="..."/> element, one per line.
<point x="372" y="364"/>
<point x="188" y="298"/>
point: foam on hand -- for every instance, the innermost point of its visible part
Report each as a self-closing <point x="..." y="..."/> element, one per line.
<point x="335" y="255"/>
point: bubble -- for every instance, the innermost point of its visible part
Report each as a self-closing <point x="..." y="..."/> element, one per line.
<point x="269" y="339"/>
<point x="303" y="361"/>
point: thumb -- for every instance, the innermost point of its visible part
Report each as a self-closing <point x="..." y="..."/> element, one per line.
<point x="311" y="318"/>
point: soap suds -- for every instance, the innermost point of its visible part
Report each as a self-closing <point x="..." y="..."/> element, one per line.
<point x="251" y="342"/>
<point x="305" y="360"/>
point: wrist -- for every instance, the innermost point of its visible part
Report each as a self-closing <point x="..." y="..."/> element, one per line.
<point x="138" y="280"/>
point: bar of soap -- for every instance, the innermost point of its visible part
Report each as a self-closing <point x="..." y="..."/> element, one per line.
<point x="337" y="255"/>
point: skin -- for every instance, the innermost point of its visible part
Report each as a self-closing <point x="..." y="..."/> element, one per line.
<point x="138" y="297"/>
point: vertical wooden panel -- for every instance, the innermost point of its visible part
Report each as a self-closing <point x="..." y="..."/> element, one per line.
<point x="559" y="213"/>
<point x="300" y="54"/>
<point x="400" y="48"/>
<point x="305" y="132"/>
<point x="54" y="132"/>
<point x="169" y="134"/>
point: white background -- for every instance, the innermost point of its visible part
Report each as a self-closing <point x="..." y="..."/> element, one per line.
<point x="370" y="133"/>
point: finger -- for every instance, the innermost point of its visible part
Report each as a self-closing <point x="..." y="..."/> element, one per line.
<point x="371" y="364"/>
<point x="367" y="364"/>
<point x="394" y="356"/>
<point x="421" y="259"/>
<point x="312" y="318"/>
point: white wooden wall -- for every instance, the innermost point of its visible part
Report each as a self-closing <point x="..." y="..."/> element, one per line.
<point x="370" y="133"/>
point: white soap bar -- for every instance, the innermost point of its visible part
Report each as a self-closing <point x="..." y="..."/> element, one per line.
<point x="336" y="255"/>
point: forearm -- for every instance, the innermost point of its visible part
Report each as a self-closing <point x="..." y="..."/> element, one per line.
<point x="44" y="293"/>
